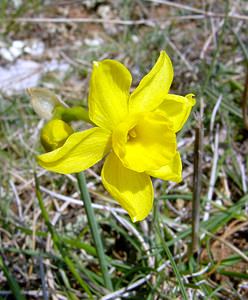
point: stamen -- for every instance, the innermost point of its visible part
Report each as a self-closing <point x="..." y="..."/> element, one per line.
<point x="132" y="133"/>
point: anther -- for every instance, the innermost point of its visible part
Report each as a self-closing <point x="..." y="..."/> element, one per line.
<point x="132" y="133"/>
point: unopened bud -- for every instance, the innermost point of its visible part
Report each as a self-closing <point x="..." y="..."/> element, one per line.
<point x="54" y="134"/>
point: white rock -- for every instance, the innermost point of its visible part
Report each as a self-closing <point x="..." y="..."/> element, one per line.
<point x="18" y="44"/>
<point x="12" y="52"/>
<point x="93" y="42"/>
<point x="35" y="48"/>
<point x="6" y="54"/>
<point x="26" y="74"/>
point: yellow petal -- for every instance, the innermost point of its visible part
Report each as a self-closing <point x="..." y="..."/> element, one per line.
<point x="171" y="171"/>
<point x="134" y="191"/>
<point x="80" y="151"/>
<point x="109" y="92"/>
<point x="153" y="88"/>
<point x="144" y="142"/>
<point x="177" y="109"/>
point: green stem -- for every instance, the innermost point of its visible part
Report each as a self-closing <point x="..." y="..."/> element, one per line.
<point x="14" y="286"/>
<point x="173" y="264"/>
<point x="94" y="229"/>
<point x="57" y="241"/>
<point x="69" y="114"/>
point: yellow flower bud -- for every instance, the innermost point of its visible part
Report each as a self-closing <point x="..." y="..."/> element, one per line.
<point x="54" y="134"/>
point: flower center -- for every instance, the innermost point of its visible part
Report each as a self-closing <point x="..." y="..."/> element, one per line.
<point x="144" y="141"/>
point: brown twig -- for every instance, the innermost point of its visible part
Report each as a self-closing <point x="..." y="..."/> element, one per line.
<point x="209" y="14"/>
<point x="245" y="101"/>
<point x="197" y="185"/>
<point x="146" y="22"/>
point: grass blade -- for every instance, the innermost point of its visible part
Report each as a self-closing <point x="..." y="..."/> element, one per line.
<point x="57" y="242"/>
<point x="173" y="264"/>
<point x="14" y="286"/>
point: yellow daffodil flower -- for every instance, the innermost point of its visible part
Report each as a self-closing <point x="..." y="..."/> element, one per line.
<point x="136" y="131"/>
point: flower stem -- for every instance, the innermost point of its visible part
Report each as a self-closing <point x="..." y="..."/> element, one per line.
<point x="94" y="229"/>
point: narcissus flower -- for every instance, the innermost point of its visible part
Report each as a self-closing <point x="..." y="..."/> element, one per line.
<point x="136" y="131"/>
